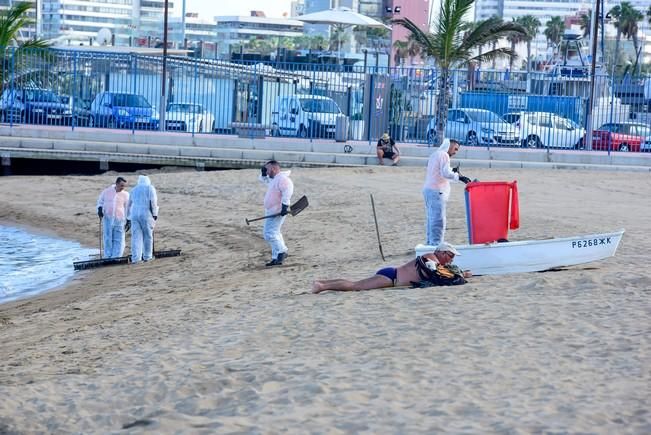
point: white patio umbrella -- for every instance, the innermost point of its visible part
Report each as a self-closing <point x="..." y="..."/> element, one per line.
<point x="341" y="17"/>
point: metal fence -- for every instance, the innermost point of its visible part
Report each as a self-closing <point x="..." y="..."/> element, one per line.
<point x="81" y="88"/>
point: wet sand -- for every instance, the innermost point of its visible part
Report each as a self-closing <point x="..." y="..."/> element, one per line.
<point x="214" y="342"/>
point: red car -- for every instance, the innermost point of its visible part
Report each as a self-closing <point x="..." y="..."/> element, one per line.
<point x="620" y="136"/>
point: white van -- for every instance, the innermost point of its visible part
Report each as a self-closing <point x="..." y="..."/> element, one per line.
<point x="305" y="116"/>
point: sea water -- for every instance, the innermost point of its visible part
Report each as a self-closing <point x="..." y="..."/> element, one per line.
<point x="31" y="264"/>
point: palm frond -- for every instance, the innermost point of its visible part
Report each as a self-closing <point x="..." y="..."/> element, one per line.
<point x="426" y="40"/>
<point x="491" y="31"/>
<point x="498" y="53"/>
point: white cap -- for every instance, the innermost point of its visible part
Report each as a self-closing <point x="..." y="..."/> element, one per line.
<point x="446" y="247"/>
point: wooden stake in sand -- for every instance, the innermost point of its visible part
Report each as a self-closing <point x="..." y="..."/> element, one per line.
<point x="377" y="230"/>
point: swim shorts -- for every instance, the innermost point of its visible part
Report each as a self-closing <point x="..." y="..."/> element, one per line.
<point x="389" y="155"/>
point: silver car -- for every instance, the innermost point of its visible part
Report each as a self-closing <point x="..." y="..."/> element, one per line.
<point x="477" y="127"/>
<point x="544" y="129"/>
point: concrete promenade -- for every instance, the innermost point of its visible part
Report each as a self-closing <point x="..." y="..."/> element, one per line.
<point x="225" y="151"/>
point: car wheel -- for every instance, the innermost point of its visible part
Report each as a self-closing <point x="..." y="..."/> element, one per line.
<point x="532" y="142"/>
<point x="302" y="132"/>
<point x="3" y="117"/>
<point x="579" y="145"/>
<point x="111" y="122"/>
<point x="275" y="131"/>
<point x="91" y="122"/>
<point x="200" y="129"/>
<point x="624" y="148"/>
<point x="472" y="140"/>
<point x="430" y="138"/>
<point x="23" y="118"/>
<point x="212" y="127"/>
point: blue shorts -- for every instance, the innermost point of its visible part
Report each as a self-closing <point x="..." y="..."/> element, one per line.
<point x="389" y="272"/>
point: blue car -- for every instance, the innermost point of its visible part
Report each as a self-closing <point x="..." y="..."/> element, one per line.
<point x="121" y="110"/>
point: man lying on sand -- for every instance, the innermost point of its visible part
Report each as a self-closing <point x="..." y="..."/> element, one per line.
<point x="435" y="268"/>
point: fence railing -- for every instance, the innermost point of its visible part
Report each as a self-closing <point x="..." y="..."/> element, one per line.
<point x="80" y="88"/>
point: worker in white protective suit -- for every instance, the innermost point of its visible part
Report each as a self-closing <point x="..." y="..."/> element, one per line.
<point x="112" y="210"/>
<point x="143" y="213"/>
<point x="436" y="190"/>
<point x="280" y="189"/>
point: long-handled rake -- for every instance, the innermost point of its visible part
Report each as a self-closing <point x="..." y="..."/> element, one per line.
<point x="91" y="264"/>
<point x="294" y="209"/>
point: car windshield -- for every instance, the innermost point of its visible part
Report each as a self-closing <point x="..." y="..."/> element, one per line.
<point x="42" y="96"/>
<point x="319" y="105"/>
<point x="572" y="123"/>
<point x="484" y="116"/>
<point x="643" y="130"/>
<point x="130" y="100"/>
<point x="188" y="108"/>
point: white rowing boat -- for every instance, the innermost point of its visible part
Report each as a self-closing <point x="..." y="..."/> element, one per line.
<point x="533" y="255"/>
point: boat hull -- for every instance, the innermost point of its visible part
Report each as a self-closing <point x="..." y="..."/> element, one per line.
<point x="533" y="255"/>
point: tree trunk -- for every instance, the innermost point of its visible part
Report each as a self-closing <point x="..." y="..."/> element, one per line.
<point x="616" y="54"/>
<point x="528" y="56"/>
<point x="442" y="105"/>
<point x="494" y="48"/>
<point x="512" y="58"/>
<point x="638" y="59"/>
<point x="481" y="48"/>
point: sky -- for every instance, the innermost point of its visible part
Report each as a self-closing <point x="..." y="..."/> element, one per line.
<point x="211" y="8"/>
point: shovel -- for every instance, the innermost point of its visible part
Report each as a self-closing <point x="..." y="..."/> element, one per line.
<point x="294" y="209"/>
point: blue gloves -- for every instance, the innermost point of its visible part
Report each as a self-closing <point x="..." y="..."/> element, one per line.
<point x="100" y="212"/>
<point x="464" y="179"/>
<point x="284" y="210"/>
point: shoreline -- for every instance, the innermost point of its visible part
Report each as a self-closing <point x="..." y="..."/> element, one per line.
<point x="213" y="341"/>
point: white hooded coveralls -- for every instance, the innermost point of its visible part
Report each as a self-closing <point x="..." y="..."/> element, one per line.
<point x="114" y="207"/>
<point x="279" y="191"/>
<point x="143" y="207"/>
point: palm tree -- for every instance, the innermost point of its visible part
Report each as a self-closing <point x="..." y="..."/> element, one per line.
<point x="586" y="23"/>
<point x="337" y="34"/>
<point x="450" y="47"/>
<point x="531" y="25"/>
<point x="515" y="39"/>
<point x="11" y="21"/>
<point x="625" y="21"/>
<point x="413" y="48"/>
<point x="628" y="20"/>
<point x="554" y="30"/>
<point x="401" y="52"/>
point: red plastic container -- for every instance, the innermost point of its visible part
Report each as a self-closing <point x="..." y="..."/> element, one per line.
<point x="491" y="210"/>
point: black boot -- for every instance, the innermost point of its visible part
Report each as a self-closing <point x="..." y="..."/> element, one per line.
<point x="281" y="257"/>
<point x="273" y="262"/>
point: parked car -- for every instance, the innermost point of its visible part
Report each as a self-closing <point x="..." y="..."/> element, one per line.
<point x="620" y="136"/>
<point x="544" y="129"/>
<point x="476" y="127"/>
<point x="646" y="145"/>
<point x="80" y="109"/>
<point x="188" y="117"/>
<point x="122" y="110"/>
<point x="33" y="106"/>
<point x="305" y="116"/>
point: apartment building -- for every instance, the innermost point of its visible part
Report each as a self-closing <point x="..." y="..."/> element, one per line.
<point x="126" y="19"/>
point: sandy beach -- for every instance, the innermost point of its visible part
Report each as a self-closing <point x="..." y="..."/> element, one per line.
<point x="214" y="342"/>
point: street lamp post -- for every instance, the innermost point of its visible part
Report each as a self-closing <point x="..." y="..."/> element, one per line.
<point x="163" y="103"/>
<point x="593" y="53"/>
